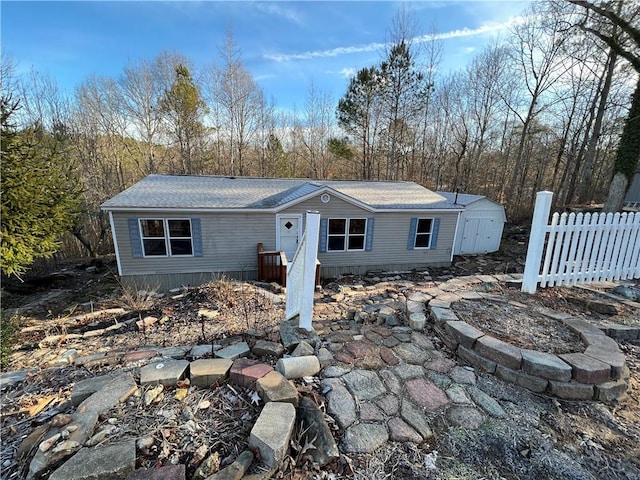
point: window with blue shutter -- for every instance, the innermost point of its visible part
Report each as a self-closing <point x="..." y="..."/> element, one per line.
<point x="423" y="233"/>
<point x="346" y="234"/>
<point x="165" y="237"/>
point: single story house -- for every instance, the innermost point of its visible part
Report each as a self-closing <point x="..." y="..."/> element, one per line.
<point x="172" y="230"/>
<point x="480" y="224"/>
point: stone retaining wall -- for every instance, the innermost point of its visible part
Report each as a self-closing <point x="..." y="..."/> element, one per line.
<point x="598" y="373"/>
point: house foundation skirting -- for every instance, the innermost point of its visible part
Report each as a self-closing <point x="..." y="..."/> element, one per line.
<point x="163" y="282"/>
<point x="328" y="271"/>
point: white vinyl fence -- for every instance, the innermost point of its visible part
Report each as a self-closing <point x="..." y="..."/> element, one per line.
<point x="301" y="274"/>
<point x="580" y="248"/>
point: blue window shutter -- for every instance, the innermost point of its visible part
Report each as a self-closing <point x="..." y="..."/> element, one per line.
<point x="434" y="232"/>
<point x="369" y="236"/>
<point x="136" y="241"/>
<point x="411" y="243"/>
<point x="196" y="235"/>
<point x="322" y="241"/>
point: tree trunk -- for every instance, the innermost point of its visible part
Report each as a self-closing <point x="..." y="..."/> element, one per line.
<point x="617" y="192"/>
<point x="586" y="189"/>
<point x="627" y="157"/>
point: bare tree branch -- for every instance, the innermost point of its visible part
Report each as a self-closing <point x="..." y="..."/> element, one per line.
<point x="610" y="40"/>
<point x="615" y="46"/>
<point x="616" y="19"/>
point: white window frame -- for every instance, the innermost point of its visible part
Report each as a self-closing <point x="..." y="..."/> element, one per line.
<point x="167" y="237"/>
<point x="415" y="237"/>
<point x="346" y="234"/>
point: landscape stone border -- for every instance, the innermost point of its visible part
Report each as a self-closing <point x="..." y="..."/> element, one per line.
<point x="95" y="396"/>
<point x="598" y="373"/>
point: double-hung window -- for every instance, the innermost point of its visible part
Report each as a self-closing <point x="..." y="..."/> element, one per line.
<point x="166" y="237"/>
<point x="346" y="234"/>
<point x="424" y="233"/>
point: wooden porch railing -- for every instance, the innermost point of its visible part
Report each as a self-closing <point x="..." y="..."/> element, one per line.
<point x="272" y="266"/>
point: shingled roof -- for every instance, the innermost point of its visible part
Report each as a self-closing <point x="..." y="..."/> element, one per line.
<point x="246" y="193"/>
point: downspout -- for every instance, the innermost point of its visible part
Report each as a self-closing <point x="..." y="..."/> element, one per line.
<point x="115" y="243"/>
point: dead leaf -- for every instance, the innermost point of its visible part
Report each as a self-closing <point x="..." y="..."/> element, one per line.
<point x="152" y="394"/>
<point x="42" y="403"/>
<point x="185" y="383"/>
<point x="181" y="393"/>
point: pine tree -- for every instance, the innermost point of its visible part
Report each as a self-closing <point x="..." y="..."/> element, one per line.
<point x="40" y="195"/>
<point x="185" y="109"/>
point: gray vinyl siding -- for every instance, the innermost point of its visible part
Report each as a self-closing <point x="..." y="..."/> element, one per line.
<point x="390" y="236"/>
<point x="229" y="242"/>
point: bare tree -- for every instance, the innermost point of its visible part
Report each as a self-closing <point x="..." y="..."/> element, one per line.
<point x="315" y="131"/>
<point x="240" y="102"/>
<point x="142" y="88"/>
<point x="98" y="130"/>
<point x="43" y="103"/>
<point x="615" y="24"/>
<point x="9" y="103"/>
<point x="537" y="53"/>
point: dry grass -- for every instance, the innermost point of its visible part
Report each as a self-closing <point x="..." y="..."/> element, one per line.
<point x="137" y="299"/>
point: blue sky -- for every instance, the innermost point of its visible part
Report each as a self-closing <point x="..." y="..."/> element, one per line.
<point x="285" y="45"/>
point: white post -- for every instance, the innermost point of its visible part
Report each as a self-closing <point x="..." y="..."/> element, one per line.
<point x="536" y="241"/>
<point x="309" y="275"/>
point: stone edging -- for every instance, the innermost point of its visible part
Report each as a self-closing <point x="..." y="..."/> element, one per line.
<point x="598" y="373"/>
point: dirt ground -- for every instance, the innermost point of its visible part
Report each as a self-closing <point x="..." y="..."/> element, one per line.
<point x="541" y="437"/>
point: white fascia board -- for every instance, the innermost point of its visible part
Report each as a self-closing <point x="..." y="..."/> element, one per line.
<point x="115" y="244"/>
<point x="189" y="210"/>
<point x="419" y="210"/>
<point x="270" y="210"/>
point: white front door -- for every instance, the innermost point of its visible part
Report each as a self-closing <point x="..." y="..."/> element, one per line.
<point x="288" y="233"/>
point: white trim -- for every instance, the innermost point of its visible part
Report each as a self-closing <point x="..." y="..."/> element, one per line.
<point x="115" y="243"/>
<point x="179" y="210"/>
<point x="268" y="210"/>
<point x="142" y="237"/>
<point x="346" y="234"/>
<point x="167" y="237"/>
<point x="285" y="215"/>
<point x="419" y="210"/>
<point x="415" y="236"/>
